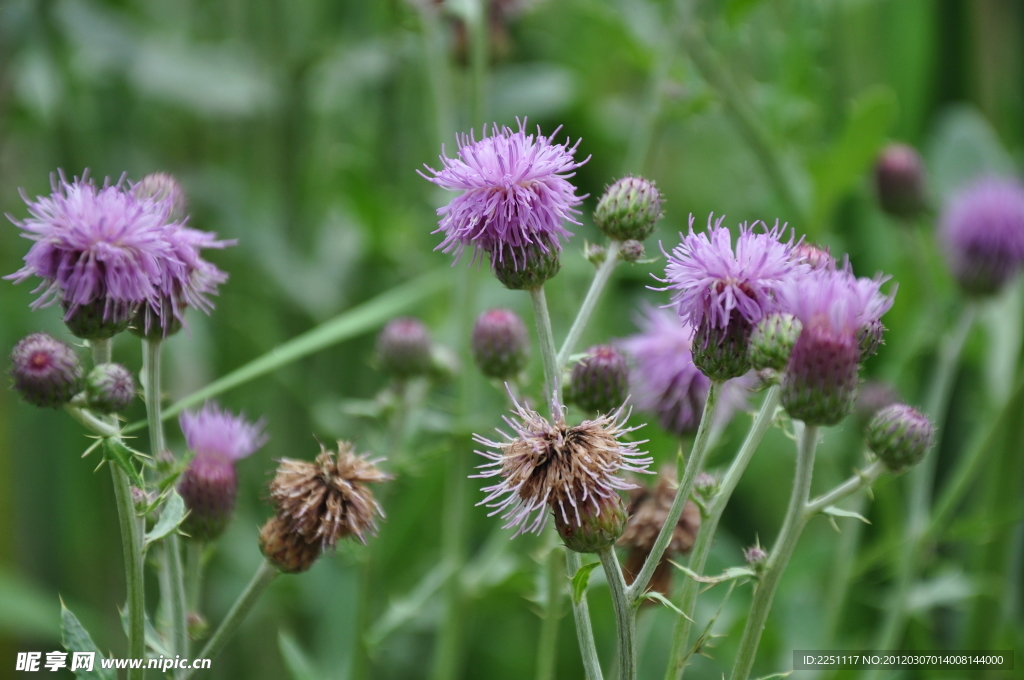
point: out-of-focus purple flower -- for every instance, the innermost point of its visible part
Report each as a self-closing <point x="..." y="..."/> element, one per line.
<point x="96" y="247"/>
<point x="835" y="298"/>
<point x="515" y="192"/>
<point x="665" y="382"/>
<point x="712" y="281"/>
<point x="982" y="231"/>
<point x="209" y="485"/>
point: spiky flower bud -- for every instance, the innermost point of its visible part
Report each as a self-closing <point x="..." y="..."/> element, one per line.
<point x="870" y="338"/>
<point x="109" y="388"/>
<point x="599" y="525"/>
<point x="629" y="209"/>
<point x="772" y="340"/>
<point x="197" y="626"/>
<point x="404" y="348"/>
<point x="328" y="499"/>
<point x="705" y="486"/>
<point x="820" y="384"/>
<point x="162" y="186"/>
<point x="648" y="510"/>
<point x="600" y="380"/>
<point x="209" y="485"/>
<point x="46" y="372"/>
<point x="595" y="253"/>
<point x="722" y="353"/>
<point x="813" y="256"/>
<point x="900" y="436"/>
<point x="500" y="344"/>
<point x="899" y="181"/>
<point x="285" y="549"/>
<point x="529" y="268"/>
<point x="755" y="557"/>
<point x="92" y="322"/>
<point x="632" y="250"/>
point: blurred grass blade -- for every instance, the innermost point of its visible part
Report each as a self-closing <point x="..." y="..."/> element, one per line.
<point x="76" y="638"/>
<point x="350" y="324"/>
<point x="408" y="607"/>
<point x="26" y="610"/>
<point x="299" y="665"/>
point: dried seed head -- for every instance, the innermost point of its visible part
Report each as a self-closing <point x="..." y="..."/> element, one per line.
<point x="285" y="549"/>
<point x="326" y="500"/>
<point x="648" y="510"/>
<point x="552" y="464"/>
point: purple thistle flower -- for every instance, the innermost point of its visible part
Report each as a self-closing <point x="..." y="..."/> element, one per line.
<point x="515" y="192"/>
<point x="209" y="485"/>
<point x="982" y="231"/>
<point x="836" y="299"/>
<point x="664" y="380"/>
<point x="712" y="280"/>
<point x="215" y="432"/>
<point x="95" y="247"/>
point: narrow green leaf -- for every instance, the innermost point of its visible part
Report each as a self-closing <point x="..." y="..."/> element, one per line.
<point x="839" y="512"/>
<point x="170" y="518"/>
<point x="777" y="676"/>
<point x="409" y="606"/>
<point x="580" y="581"/>
<point x="299" y="665"/>
<point x="124" y="456"/>
<point x="76" y="638"/>
<point x="658" y="597"/>
<point x="350" y="324"/>
<point x="729" y="574"/>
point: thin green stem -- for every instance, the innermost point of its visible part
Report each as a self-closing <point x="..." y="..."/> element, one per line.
<point x="437" y="71"/>
<point x="547" y="647"/>
<point x="479" y="55"/>
<point x="718" y="77"/>
<point x="194" y="575"/>
<point x="705" y="537"/>
<point x="693" y="466"/>
<point x="584" y="629"/>
<point x="552" y="373"/>
<point x="448" y="652"/>
<point x="850" y="486"/>
<point x="172" y="544"/>
<point x="91" y="422"/>
<point x="131" y="542"/>
<point x="597" y="286"/>
<point x="265" y="573"/>
<point x="921" y="480"/>
<point x="793" y="524"/>
<point x="625" y="613"/>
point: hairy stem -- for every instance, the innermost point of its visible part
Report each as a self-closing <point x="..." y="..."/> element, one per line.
<point x="693" y="466"/>
<point x="265" y="573"/>
<point x="584" y="629"/>
<point x="793" y="524"/>
<point x="705" y="537"/>
<point x="625" y="613"/>
<point x="597" y="286"/>
<point x="552" y="373"/>
<point x="131" y="542"/>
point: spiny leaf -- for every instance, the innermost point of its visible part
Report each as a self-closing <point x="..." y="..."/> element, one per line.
<point x="839" y="512"/>
<point x="170" y="517"/>
<point x="729" y="574"/>
<point x="658" y="597"/>
<point x="76" y="638"/>
<point x="124" y="456"/>
<point x="580" y="581"/>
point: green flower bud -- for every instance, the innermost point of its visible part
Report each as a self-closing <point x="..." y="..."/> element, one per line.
<point x="542" y="262"/>
<point x="595" y="528"/>
<point x="900" y="436"/>
<point x="629" y="209"/>
<point x="772" y="340"/>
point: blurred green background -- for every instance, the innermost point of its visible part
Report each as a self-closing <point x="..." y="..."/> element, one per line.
<point x="296" y="127"/>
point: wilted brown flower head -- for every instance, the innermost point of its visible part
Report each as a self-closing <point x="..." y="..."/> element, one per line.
<point x="285" y="549"/>
<point x="547" y="463"/>
<point x="648" y="510"/>
<point x="327" y="499"/>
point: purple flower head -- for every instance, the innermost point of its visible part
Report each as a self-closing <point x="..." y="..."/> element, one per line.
<point x="664" y="381"/>
<point x="982" y="231"/>
<point x="515" y="192"/>
<point x="712" y="280"/>
<point x="96" y="246"/>
<point x="215" y="433"/>
<point x="836" y="300"/>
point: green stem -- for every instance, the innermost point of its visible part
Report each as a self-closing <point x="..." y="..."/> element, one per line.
<point x="479" y="53"/>
<point x="552" y="373"/>
<point x="693" y="466"/>
<point x="793" y="524"/>
<point x="448" y="652"/>
<point x="172" y="544"/>
<point x="265" y="573"/>
<point x="194" y="575"/>
<point x="547" y="647"/>
<point x="921" y="480"/>
<point x="131" y="543"/>
<point x="91" y="422"/>
<point x="736" y="104"/>
<point x="437" y="71"/>
<point x="705" y="537"/>
<point x="584" y="629"/>
<point x="601" y="278"/>
<point x="625" y="613"/>
<point x="850" y="486"/>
